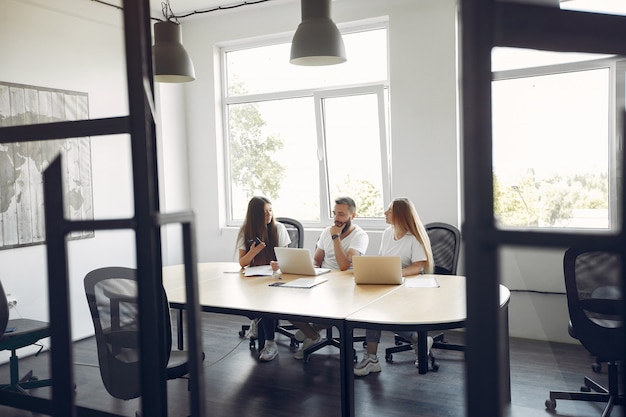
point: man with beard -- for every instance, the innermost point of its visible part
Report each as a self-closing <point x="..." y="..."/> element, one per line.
<point x="341" y="241"/>
<point x="334" y="249"/>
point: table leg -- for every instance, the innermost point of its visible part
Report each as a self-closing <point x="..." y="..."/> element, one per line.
<point x="346" y="358"/>
<point x="505" y="368"/>
<point x="179" y="329"/>
<point x="422" y="351"/>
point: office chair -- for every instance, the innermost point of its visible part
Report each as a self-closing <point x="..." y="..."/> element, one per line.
<point x="112" y="297"/>
<point x="445" y="243"/>
<point x="296" y="234"/>
<point x="16" y="334"/>
<point x="593" y="282"/>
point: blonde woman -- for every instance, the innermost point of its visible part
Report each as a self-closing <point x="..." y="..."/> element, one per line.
<point x="406" y="237"/>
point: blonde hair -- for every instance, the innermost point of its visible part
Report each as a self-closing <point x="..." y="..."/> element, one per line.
<point x="405" y="218"/>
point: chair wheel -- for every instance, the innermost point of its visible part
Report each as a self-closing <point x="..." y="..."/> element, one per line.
<point x="388" y="357"/>
<point x="585" y="388"/>
<point x="364" y="345"/>
<point x="550" y="404"/>
<point x="596" y="367"/>
<point x="252" y="344"/>
<point x="293" y="346"/>
<point x="242" y="334"/>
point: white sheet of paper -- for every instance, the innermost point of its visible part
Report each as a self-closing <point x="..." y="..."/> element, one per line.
<point x="261" y="270"/>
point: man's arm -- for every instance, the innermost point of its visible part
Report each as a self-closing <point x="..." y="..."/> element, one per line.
<point x="318" y="257"/>
<point x="344" y="259"/>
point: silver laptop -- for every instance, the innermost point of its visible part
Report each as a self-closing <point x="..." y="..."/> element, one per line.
<point x="377" y="269"/>
<point x="297" y="261"/>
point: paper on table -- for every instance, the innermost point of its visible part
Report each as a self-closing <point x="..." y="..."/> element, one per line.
<point x="300" y="283"/>
<point x="263" y="270"/>
<point x="421" y="282"/>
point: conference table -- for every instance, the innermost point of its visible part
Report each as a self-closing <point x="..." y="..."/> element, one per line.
<point x="337" y="302"/>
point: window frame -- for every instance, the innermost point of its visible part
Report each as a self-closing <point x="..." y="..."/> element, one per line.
<point x="379" y="88"/>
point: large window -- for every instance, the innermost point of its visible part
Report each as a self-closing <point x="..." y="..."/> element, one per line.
<point x="303" y="136"/>
<point x="554" y="141"/>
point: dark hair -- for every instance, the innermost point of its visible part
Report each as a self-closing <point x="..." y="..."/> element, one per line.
<point x="348" y="202"/>
<point x="254" y="226"/>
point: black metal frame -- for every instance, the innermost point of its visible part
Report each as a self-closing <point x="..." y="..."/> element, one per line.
<point x="485" y="24"/>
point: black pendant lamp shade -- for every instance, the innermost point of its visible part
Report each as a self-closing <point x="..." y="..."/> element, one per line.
<point x="171" y="61"/>
<point x="317" y="40"/>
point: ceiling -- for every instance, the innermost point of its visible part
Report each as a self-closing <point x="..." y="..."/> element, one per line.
<point x="180" y="7"/>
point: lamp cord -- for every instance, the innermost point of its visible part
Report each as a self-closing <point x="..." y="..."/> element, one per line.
<point x="170" y="16"/>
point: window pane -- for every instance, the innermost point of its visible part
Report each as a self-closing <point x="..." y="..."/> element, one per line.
<point x="503" y="59"/>
<point x="595" y="6"/>
<point x="273" y="152"/>
<point x="267" y="69"/>
<point x="353" y="152"/>
<point x="550" y="150"/>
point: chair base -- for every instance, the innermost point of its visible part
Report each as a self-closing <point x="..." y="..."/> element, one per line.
<point x="610" y="396"/>
<point x="330" y="340"/>
<point x="439" y="342"/>
<point x="281" y="329"/>
<point x="28" y="381"/>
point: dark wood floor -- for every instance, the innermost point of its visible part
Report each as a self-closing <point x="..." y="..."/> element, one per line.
<point x="238" y="385"/>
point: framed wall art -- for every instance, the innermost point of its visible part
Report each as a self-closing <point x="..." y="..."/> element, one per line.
<point x="23" y="163"/>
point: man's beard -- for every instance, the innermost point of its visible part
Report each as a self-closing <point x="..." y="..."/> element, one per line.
<point x="346" y="226"/>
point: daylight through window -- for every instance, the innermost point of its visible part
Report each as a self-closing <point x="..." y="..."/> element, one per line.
<point x="303" y="136"/>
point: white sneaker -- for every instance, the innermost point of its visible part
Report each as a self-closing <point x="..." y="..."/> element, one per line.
<point x="253" y="330"/>
<point x="299" y="335"/>
<point x="269" y="352"/>
<point x="429" y="344"/>
<point x="368" y="364"/>
<point x="305" y="345"/>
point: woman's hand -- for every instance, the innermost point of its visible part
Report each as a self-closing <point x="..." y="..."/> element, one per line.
<point x="257" y="247"/>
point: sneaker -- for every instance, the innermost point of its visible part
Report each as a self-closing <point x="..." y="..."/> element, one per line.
<point x="299" y="335"/>
<point x="308" y="342"/>
<point x="429" y="344"/>
<point x="252" y="331"/>
<point x="269" y="352"/>
<point x="368" y="364"/>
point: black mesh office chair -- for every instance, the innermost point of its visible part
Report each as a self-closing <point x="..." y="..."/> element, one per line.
<point x="112" y="297"/>
<point x="16" y="334"/>
<point x="445" y="243"/>
<point x="296" y="234"/>
<point x="593" y="283"/>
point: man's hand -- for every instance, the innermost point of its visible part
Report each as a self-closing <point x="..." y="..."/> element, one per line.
<point x="336" y="228"/>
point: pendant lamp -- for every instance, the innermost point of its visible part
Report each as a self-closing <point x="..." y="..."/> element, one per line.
<point x="171" y="61"/>
<point x="317" y="40"/>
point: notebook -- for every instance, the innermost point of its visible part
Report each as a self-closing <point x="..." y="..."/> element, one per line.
<point x="297" y="261"/>
<point x="377" y="269"/>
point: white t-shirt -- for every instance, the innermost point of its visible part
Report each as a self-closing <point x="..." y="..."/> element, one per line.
<point x="283" y="237"/>
<point x="408" y="248"/>
<point x="357" y="240"/>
